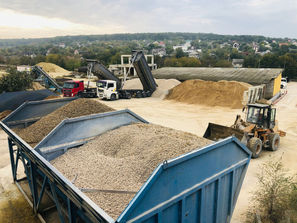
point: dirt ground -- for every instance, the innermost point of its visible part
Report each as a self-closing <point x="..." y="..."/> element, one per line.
<point x="194" y="119"/>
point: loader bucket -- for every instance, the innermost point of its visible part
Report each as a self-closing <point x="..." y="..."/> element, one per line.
<point x="217" y="132"/>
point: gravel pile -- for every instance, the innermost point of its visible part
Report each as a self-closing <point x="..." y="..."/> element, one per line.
<point x="122" y="160"/>
<point x="80" y="107"/>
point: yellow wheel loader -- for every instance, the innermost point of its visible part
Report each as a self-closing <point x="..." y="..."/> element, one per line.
<point x="260" y="129"/>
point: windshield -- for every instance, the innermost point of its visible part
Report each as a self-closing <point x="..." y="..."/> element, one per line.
<point x="101" y="84"/>
<point x="253" y="115"/>
<point x="68" y="85"/>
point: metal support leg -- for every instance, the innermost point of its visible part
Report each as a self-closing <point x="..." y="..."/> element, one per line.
<point x="10" y="147"/>
<point x="53" y="189"/>
<point x="34" y="185"/>
<point x="16" y="165"/>
<point x="41" y="193"/>
<point x="71" y="211"/>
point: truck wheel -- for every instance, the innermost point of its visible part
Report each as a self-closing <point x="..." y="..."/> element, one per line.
<point x="128" y="96"/>
<point x="79" y="94"/>
<point x="113" y="97"/>
<point x="255" y="146"/>
<point x="143" y="94"/>
<point x="274" y="141"/>
<point x="138" y="94"/>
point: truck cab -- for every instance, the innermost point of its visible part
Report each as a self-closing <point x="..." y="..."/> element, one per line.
<point x="108" y="89"/>
<point x="72" y="88"/>
<point x="284" y="83"/>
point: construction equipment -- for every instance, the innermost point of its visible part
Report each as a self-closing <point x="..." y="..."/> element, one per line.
<point x="75" y="88"/>
<point x="111" y="87"/>
<point x="46" y="78"/>
<point x="259" y="130"/>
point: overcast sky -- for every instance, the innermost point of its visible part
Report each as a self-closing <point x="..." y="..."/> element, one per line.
<point x="47" y="18"/>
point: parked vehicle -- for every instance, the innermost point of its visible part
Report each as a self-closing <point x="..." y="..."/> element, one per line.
<point x="77" y="88"/>
<point x="110" y="87"/>
<point x="73" y="88"/>
<point x="284" y="83"/>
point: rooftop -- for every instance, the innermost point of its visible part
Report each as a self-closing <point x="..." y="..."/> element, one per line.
<point x="254" y="76"/>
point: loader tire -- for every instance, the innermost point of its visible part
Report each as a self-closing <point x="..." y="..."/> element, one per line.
<point x="274" y="141"/>
<point x="255" y="146"/>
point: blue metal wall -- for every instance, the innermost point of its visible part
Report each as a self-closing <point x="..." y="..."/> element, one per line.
<point x="198" y="187"/>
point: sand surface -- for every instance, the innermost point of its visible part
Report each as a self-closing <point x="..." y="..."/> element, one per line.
<point x="194" y="119"/>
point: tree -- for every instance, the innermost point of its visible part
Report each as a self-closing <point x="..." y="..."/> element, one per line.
<point x="15" y="81"/>
<point x="223" y="63"/>
<point x="179" y="53"/>
<point x="270" y="61"/>
<point x="275" y="193"/>
<point x="290" y="65"/>
<point x="182" y="62"/>
<point x="251" y="61"/>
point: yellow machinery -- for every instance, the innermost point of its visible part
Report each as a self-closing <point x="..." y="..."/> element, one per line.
<point x="260" y="129"/>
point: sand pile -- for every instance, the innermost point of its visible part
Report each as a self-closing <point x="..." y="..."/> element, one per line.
<point x="162" y="90"/>
<point x="221" y="93"/>
<point x="52" y="97"/>
<point x="37" y="86"/>
<point x="53" y="70"/>
<point x="4" y="114"/>
<point x="37" y="131"/>
<point x="123" y="163"/>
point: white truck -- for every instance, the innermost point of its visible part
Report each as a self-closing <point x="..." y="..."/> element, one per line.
<point x="110" y="86"/>
<point x="284" y="83"/>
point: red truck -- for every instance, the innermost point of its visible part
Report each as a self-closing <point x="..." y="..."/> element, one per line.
<point x="76" y="88"/>
<point x="73" y="88"/>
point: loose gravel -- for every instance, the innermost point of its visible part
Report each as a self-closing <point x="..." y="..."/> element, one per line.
<point x="122" y="160"/>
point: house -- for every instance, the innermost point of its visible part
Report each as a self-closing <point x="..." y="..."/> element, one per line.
<point x="236" y="45"/>
<point x="159" y="51"/>
<point x="24" y="68"/>
<point x="237" y="63"/>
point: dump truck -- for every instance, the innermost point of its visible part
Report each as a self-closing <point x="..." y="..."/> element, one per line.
<point x="260" y="129"/>
<point x="110" y="87"/>
<point x="74" y="88"/>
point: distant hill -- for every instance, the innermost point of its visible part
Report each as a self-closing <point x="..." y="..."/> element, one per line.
<point x="136" y="36"/>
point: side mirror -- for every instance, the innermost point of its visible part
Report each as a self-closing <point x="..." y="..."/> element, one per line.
<point x="243" y="109"/>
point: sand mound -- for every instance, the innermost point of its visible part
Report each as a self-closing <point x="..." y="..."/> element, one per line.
<point x="162" y="90"/>
<point x="37" y="86"/>
<point x="53" y="70"/>
<point x="4" y="114"/>
<point x="221" y="93"/>
<point x="37" y="131"/>
<point x="125" y="162"/>
<point x="52" y="97"/>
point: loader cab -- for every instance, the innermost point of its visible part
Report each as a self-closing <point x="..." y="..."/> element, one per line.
<point x="261" y="115"/>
